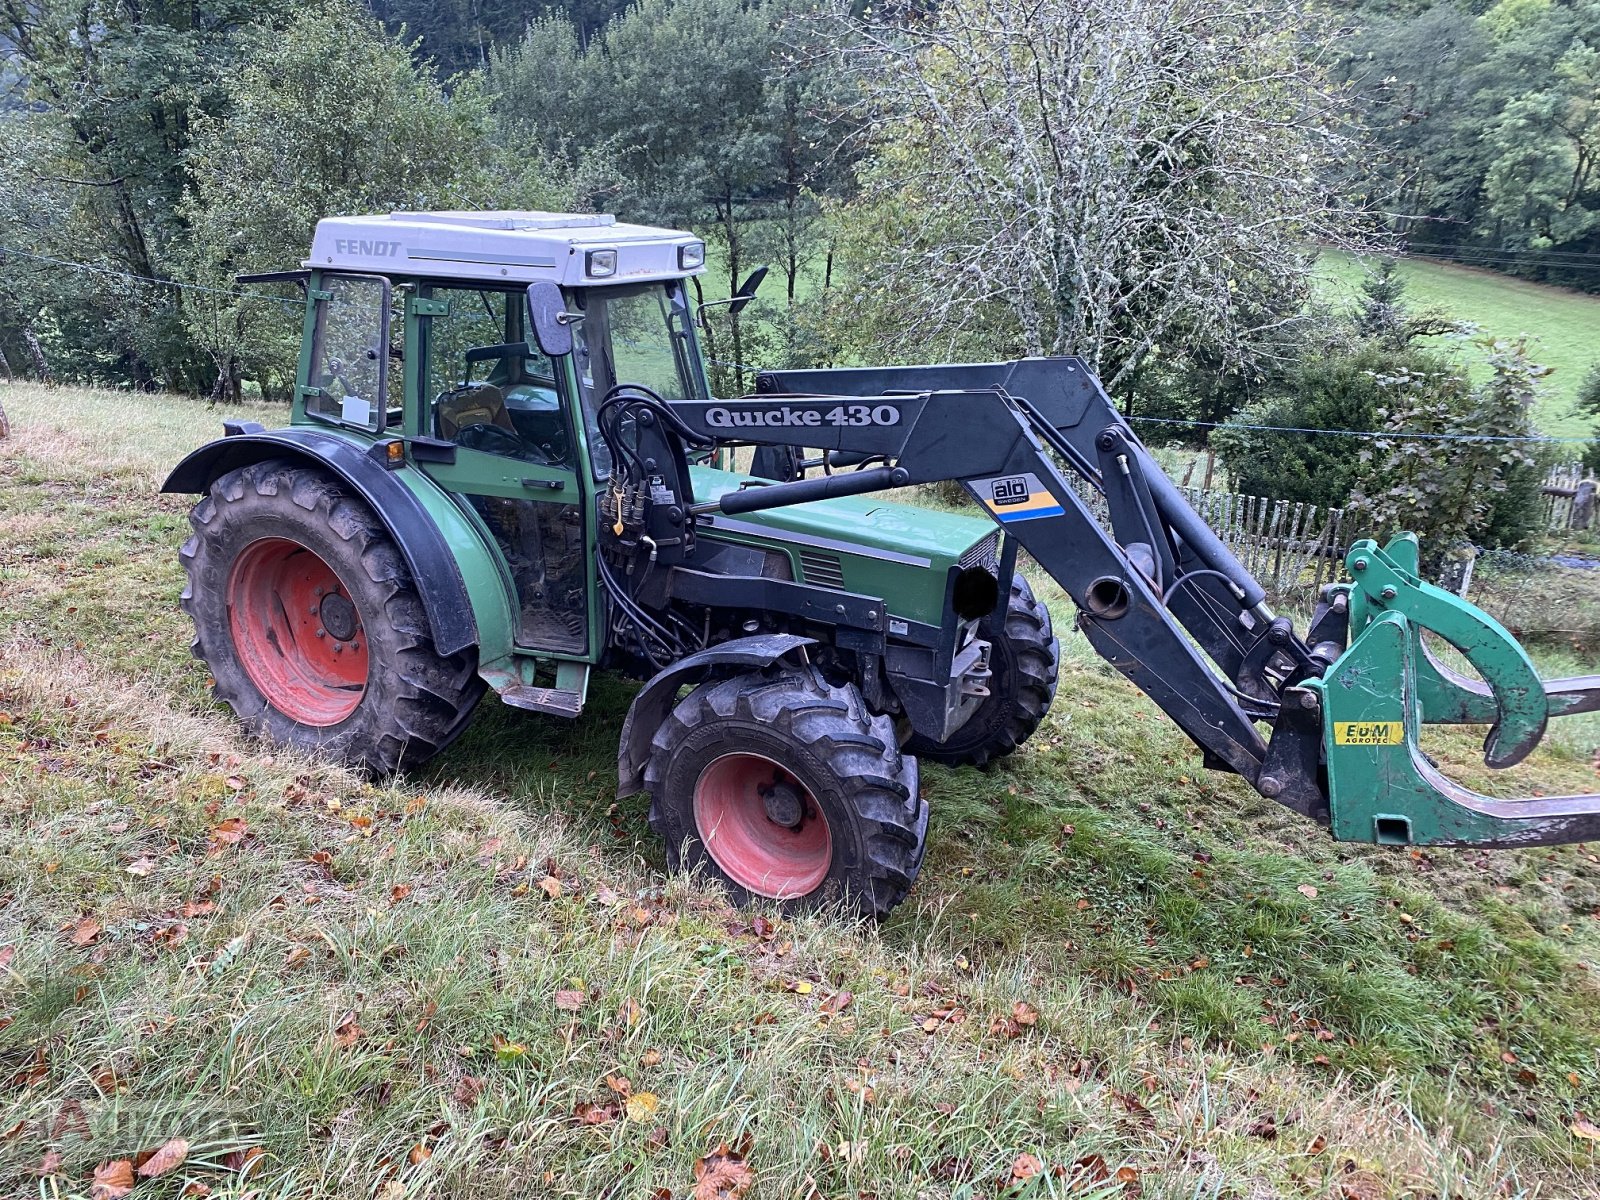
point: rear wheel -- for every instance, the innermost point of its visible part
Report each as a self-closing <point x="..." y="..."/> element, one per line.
<point x="305" y="612"/>
<point x="1023" y="664"/>
<point x="787" y="789"/>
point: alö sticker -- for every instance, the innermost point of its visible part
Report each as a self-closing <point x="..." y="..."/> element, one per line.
<point x="1369" y="733"/>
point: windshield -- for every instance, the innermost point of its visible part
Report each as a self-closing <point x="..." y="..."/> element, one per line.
<point x="642" y="334"/>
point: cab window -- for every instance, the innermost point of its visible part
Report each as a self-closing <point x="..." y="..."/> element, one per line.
<point x="488" y="388"/>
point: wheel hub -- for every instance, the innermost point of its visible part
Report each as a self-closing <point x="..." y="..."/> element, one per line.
<point x="784" y="805"/>
<point x="338" y="616"/>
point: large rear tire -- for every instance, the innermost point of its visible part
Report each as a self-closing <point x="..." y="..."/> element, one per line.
<point x="1024" y="664"/>
<point x="788" y="790"/>
<point x="315" y="635"/>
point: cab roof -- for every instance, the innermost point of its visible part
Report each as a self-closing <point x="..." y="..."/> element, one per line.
<point x="513" y="247"/>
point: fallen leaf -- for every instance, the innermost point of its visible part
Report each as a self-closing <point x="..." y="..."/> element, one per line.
<point x="508" y="1051"/>
<point x="112" y="1180"/>
<point x="721" y="1175"/>
<point x="7" y="953"/>
<point x="85" y="931"/>
<point x="230" y="833"/>
<point x="243" y="1161"/>
<point x="1127" y="1174"/>
<point x="168" y="1155"/>
<point x="569" y="1001"/>
<point x="50" y="1164"/>
<point x="1024" y="1013"/>
<point x="620" y="1084"/>
<point x="140" y="867"/>
<point x="650" y="1058"/>
<point x="642" y="1105"/>
<point x="419" y="1155"/>
<point x="468" y="1089"/>
<point x="348" y="1032"/>
<point x="837" y="1002"/>
<point x="595" y="1114"/>
<point x="1586" y="1129"/>
<point x="399" y="892"/>
<point x="1306" y="890"/>
<point x="1026" y="1166"/>
<point x="550" y="886"/>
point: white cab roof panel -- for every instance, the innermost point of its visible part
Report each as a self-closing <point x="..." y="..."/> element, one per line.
<point x="507" y="247"/>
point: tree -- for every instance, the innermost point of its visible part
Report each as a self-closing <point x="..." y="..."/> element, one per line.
<point x="1451" y="454"/>
<point x="1383" y="313"/>
<point x="737" y="142"/>
<point x="1084" y="177"/>
<point x="1335" y="387"/>
<point x="104" y="94"/>
<point x="332" y="116"/>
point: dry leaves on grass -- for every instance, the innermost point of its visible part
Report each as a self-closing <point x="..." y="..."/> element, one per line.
<point x="1586" y="1129"/>
<point x="86" y="931"/>
<point x="641" y="1106"/>
<point x="568" y="1000"/>
<point x="112" y="1180"/>
<point x="722" y="1175"/>
<point x="169" y="1155"/>
<point x="229" y="833"/>
<point x="347" y="1032"/>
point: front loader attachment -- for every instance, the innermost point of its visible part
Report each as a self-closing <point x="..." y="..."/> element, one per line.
<point x="1382" y="787"/>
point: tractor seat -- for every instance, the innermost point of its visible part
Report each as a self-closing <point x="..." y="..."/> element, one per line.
<point x="472" y="404"/>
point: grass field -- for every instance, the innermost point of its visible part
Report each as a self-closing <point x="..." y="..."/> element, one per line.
<point x="1118" y="975"/>
<point x="1563" y="326"/>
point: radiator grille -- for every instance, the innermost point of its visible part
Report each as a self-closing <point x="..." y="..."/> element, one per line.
<point x="821" y="569"/>
<point x="985" y="554"/>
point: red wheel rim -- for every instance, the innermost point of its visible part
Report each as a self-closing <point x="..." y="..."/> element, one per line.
<point x="297" y="632"/>
<point x="734" y="800"/>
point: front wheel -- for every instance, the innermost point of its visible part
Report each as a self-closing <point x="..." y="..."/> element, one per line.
<point x="1023" y="662"/>
<point x="315" y="635"/>
<point x="787" y="789"/>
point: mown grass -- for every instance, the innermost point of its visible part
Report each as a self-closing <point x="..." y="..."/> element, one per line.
<point x="420" y="987"/>
<point x="1561" y="324"/>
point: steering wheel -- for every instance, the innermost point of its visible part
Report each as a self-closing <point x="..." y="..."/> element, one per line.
<point x="491" y="439"/>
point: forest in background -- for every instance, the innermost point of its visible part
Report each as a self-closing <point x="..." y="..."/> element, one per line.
<point x="1144" y="184"/>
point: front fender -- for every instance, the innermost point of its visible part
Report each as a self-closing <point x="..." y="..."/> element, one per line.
<point x="655" y="699"/>
<point x="463" y="597"/>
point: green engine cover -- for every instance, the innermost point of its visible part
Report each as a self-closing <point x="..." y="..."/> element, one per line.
<point x="860" y="543"/>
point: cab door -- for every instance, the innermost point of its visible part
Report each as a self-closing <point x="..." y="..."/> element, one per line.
<point x="502" y="404"/>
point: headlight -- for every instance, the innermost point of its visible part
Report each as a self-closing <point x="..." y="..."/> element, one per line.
<point x="600" y="264"/>
<point x="691" y="256"/>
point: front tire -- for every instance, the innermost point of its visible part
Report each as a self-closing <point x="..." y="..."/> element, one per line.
<point x="787" y="789"/>
<point x="1024" y="663"/>
<point x="316" y="637"/>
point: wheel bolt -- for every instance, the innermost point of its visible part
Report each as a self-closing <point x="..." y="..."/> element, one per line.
<point x="338" y="646"/>
<point x="322" y="633"/>
<point x="355" y="647"/>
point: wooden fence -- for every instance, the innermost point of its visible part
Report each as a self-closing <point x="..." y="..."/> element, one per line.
<point x="1569" y="501"/>
<point x="1291" y="547"/>
<point x="1294" y="548"/>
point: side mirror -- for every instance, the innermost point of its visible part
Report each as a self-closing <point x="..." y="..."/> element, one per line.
<point x="545" y="310"/>
<point x="747" y="289"/>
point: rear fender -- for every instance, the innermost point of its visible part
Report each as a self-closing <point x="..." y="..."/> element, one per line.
<point x="655" y="700"/>
<point x="457" y="577"/>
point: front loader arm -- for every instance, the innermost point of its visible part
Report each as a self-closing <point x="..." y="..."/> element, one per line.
<point x="1164" y="600"/>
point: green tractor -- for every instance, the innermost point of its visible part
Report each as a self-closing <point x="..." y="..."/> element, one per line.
<point x="504" y="470"/>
